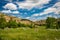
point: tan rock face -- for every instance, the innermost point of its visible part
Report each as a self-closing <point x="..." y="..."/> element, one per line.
<point x="7" y="18"/>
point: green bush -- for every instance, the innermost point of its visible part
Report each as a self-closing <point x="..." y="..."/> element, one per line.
<point x="12" y="24"/>
<point x="19" y="24"/>
<point x="32" y="25"/>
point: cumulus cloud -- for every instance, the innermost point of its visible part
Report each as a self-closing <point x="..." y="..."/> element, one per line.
<point x="54" y="9"/>
<point x="28" y="4"/>
<point x="6" y="11"/>
<point x="49" y="10"/>
<point x="57" y="6"/>
<point x="9" y="11"/>
<point x="10" y="6"/>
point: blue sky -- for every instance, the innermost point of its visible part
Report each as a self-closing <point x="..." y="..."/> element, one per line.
<point x="31" y="9"/>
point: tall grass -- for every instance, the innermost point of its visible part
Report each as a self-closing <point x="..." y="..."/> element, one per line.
<point x="25" y="33"/>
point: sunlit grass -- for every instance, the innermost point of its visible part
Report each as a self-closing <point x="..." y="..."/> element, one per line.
<point x="25" y="33"/>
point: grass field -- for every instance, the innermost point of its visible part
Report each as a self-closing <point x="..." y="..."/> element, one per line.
<point x="22" y="33"/>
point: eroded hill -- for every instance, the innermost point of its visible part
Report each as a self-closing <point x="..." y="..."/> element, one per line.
<point x="23" y="21"/>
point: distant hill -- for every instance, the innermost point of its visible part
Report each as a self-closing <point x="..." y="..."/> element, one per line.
<point x="40" y="22"/>
<point x="23" y="21"/>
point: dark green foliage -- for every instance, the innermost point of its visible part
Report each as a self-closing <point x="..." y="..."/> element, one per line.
<point x="19" y="24"/>
<point x="0" y="38"/>
<point x="12" y="24"/>
<point x="23" y="25"/>
<point x="32" y="25"/>
<point x="58" y="23"/>
<point x="50" y="22"/>
<point x="2" y="22"/>
<point x="26" y="25"/>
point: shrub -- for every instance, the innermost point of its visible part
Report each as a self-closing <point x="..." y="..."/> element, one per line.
<point x="19" y="24"/>
<point x="12" y="24"/>
<point x="32" y="25"/>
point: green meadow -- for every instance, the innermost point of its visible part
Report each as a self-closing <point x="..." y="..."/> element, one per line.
<point x="26" y="33"/>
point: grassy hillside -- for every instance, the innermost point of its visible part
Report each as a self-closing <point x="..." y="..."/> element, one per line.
<point x="25" y="33"/>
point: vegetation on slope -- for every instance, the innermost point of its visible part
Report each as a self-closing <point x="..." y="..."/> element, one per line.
<point x="13" y="22"/>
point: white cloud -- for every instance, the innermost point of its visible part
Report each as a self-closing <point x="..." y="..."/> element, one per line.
<point x="46" y="11"/>
<point x="27" y="17"/>
<point x="35" y="15"/>
<point x="10" y="6"/>
<point x="55" y="9"/>
<point x="57" y="6"/>
<point x="28" y="4"/>
<point x="49" y="10"/>
<point x="6" y="11"/>
<point x="9" y="11"/>
<point x="15" y="12"/>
